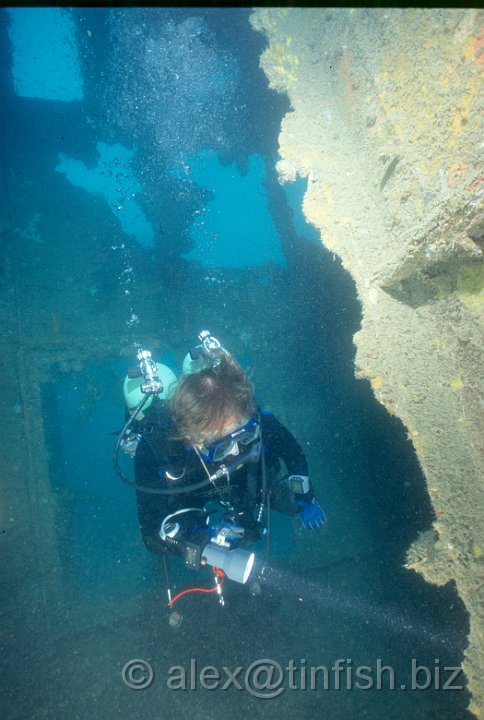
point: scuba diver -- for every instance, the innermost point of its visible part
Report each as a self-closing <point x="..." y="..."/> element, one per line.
<point x="208" y="463"/>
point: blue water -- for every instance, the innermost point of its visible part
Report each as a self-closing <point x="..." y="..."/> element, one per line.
<point x="216" y="244"/>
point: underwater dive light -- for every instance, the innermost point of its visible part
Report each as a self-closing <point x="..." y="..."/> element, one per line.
<point x="237" y="564"/>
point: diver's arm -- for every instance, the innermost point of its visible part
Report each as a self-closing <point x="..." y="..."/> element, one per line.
<point x="152" y="508"/>
<point x="284" y="445"/>
<point x="279" y="440"/>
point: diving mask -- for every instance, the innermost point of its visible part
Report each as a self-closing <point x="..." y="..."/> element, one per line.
<point x="229" y="444"/>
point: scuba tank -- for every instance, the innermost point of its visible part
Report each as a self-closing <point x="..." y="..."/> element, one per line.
<point x="140" y="384"/>
<point x="135" y="386"/>
<point x="144" y="384"/>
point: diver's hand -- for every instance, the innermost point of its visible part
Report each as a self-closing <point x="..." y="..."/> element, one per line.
<point x="311" y="514"/>
<point x="253" y="530"/>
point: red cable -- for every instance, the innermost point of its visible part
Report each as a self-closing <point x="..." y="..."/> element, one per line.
<point x="220" y="574"/>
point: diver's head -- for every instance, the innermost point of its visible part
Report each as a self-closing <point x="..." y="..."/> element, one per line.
<point x="210" y="404"/>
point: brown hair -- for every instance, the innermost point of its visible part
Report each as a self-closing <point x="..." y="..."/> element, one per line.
<point x="205" y="400"/>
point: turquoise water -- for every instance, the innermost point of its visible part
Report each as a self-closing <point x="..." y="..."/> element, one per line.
<point x="189" y="131"/>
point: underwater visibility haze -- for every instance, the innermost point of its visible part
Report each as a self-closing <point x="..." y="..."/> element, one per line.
<point x="141" y="204"/>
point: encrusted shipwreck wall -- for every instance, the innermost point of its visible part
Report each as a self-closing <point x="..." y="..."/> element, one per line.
<point x="386" y="125"/>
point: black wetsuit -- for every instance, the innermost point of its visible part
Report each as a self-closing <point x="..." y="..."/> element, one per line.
<point x="163" y="460"/>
